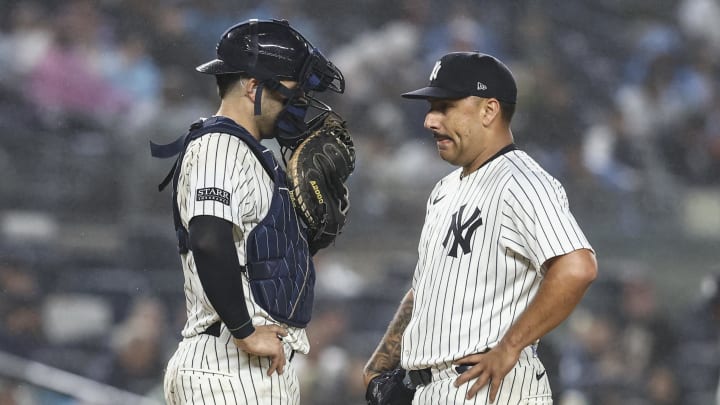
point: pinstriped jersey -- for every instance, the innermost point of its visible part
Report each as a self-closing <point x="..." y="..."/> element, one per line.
<point x="221" y="176"/>
<point x="481" y="254"/>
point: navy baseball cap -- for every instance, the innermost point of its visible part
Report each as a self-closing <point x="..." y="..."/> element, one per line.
<point x="462" y="74"/>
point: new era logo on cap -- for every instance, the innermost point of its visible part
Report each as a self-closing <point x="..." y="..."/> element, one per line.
<point x="462" y="74"/>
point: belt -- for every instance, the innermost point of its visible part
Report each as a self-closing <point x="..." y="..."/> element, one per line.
<point x="420" y="377"/>
<point x="212" y="330"/>
<point x="424" y="376"/>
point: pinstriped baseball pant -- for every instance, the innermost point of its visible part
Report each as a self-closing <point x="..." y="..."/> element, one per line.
<point x="521" y="386"/>
<point x="212" y="370"/>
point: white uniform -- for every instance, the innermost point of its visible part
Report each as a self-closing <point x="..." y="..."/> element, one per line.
<point x="222" y="177"/>
<point x="481" y="252"/>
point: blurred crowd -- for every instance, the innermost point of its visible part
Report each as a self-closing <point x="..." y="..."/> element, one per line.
<point x="620" y="100"/>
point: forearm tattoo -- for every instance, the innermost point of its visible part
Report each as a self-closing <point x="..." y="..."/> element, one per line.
<point x="387" y="354"/>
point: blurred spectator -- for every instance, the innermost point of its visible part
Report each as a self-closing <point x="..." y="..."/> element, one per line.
<point x="688" y="153"/>
<point x="21" y="322"/>
<point x="26" y="41"/>
<point x="697" y="18"/>
<point x="651" y="110"/>
<point x="698" y="357"/>
<point x="652" y="106"/>
<point x="178" y="103"/>
<point x="137" y="353"/>
<point x="298" y="13"/>
<point x="692" y="151"/>
<point x="551" y="117"/>
<point x="590" y="364"/>
<point x="457" y="29"/>
<point x="711" y="139"/>
<point x="647" y="341"/>
<point x="14" y="393"/>
<point x="203" y="23"/>
<point x="623" y="354"/>
<point x="64" y="83"/>
<point x="170" y="40"/>
<point x="322" y="371"/>
<point x="134" y="77"/>
<point x="609" y="154"/>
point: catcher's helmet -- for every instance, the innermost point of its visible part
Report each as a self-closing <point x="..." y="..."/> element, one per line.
<point x="273" y="50"/>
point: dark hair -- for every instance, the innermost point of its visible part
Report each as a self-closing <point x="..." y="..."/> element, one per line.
<point x="225" y="82"/>
<point x="507" y="110"/>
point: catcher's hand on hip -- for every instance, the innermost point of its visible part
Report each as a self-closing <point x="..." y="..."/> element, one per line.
<point x="266" y="341"/>
<point x="317" y="171"/>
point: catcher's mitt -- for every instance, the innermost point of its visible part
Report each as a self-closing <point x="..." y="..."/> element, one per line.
<point x="317" y="171"/>
<point x="389" y="389"/>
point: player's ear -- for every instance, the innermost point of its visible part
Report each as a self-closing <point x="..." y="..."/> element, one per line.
<point x="250" y="87"/>
<point x="490" y="111"/>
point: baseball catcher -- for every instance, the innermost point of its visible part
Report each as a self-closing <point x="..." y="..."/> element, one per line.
<point x="317" y="171"/>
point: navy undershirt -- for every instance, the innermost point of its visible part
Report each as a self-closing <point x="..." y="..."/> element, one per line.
<point x="220" y="273"/>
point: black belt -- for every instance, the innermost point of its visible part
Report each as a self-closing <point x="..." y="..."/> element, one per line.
<point x="424" y="376"/>
<point x="420" y="377"/>
<point x="212" y="330"/>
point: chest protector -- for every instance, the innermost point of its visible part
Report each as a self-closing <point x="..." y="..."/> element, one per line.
<point x="279" y="265"/>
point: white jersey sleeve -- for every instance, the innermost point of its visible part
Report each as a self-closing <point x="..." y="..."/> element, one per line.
<point x="216" y="170"/>
<point x="540" y="224"/>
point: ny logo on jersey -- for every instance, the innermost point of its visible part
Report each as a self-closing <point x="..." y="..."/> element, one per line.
<point x="457" y="227"/>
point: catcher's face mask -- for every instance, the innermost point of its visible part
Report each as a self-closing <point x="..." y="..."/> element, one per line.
<point x="317" y="75"/>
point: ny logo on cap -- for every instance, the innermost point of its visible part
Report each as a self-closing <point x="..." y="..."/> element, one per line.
<point x="436" y="69"/>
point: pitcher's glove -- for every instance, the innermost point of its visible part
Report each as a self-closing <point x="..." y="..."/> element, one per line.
<point x="317" y="171"/>
<point x="389" y="389"/>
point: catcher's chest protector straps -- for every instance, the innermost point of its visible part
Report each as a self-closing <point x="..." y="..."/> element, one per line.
<point x="279" y="265"/>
